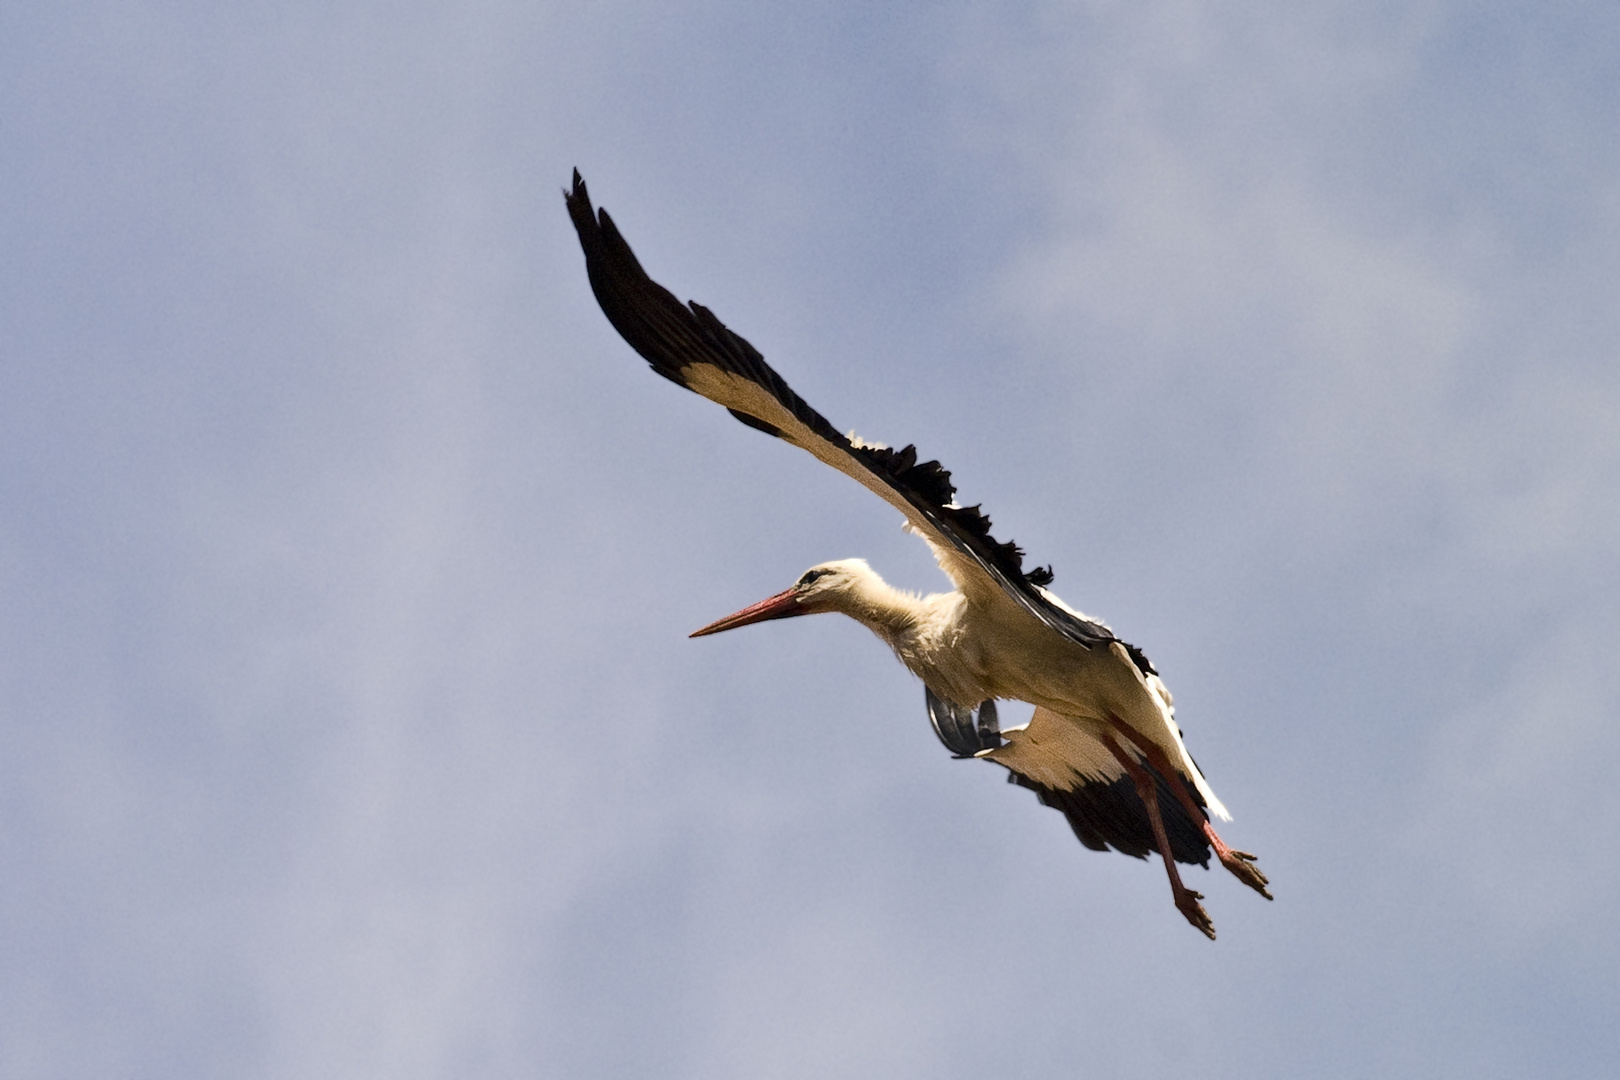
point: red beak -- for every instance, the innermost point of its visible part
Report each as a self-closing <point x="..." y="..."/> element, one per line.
<point x="784" y="605"/>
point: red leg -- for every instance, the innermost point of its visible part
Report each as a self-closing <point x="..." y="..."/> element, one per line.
<point x="1240" y="863"/>
<point x="1186" y="900"/>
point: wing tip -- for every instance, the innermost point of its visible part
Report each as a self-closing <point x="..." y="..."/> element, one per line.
<point x="578" y="201"/>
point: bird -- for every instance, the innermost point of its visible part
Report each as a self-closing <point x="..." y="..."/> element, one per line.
<point x="1102" y="745"/>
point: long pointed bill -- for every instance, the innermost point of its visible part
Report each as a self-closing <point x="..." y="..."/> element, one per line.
<point x="784" y="605"/>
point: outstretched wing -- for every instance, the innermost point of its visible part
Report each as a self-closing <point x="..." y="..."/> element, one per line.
<point x="686" y="344"/>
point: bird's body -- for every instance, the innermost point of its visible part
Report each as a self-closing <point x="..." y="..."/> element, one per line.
<point x="1102" y="745"/>
<point x="968" y="653"/>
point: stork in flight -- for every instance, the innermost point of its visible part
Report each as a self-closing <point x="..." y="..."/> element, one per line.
<point x="1102" y="746"/>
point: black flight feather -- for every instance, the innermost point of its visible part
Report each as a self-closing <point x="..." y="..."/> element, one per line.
<point x="1109" y="813"/>
<point x="672" y="336"/>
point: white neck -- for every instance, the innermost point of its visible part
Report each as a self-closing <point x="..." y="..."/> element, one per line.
<point x="889" y="612"/>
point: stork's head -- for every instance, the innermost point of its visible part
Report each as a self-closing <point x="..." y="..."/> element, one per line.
<point x="827" y="587"/>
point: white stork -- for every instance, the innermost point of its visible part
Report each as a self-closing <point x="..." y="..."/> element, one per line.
<point x="1102" y="746"/>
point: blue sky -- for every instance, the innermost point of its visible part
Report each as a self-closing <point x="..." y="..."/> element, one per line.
<point x="348" y="724"/>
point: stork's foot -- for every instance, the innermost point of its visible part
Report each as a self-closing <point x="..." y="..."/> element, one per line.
<point x="1241" y="864"/>
<point x="1187" y="903"/>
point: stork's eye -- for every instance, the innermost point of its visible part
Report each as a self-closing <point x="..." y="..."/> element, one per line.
<point x="811" y="575"/>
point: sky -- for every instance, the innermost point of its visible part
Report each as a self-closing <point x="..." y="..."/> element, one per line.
<point x="348" y="722"/>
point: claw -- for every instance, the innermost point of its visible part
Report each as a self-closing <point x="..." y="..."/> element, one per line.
<point x="1187" y="903"/>
<point x="1241" y="864"/>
